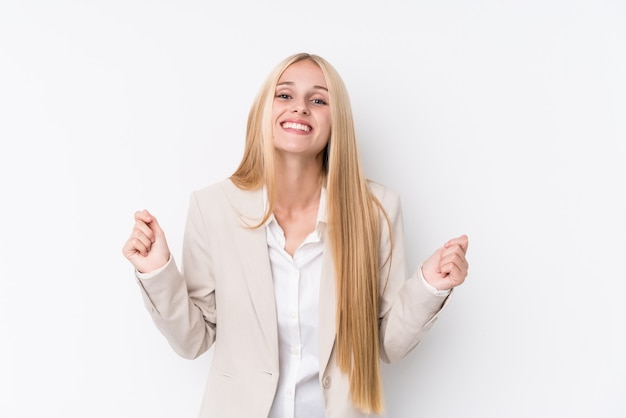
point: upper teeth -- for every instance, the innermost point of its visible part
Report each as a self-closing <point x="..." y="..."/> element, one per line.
<point x="299" y="126"/>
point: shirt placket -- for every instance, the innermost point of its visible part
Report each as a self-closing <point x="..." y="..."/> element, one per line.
<point x="295" y="351"/>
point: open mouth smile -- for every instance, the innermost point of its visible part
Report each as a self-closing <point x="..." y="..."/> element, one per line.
<point x="296" y="126"/>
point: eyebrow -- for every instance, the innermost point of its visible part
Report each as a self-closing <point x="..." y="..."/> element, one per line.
<point x="291" y="83"/>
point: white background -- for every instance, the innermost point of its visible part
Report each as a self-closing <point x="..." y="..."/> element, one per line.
<point x="501" y="120"/>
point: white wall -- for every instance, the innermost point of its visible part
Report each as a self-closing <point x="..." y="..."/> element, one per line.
<point x="502" y="120"/>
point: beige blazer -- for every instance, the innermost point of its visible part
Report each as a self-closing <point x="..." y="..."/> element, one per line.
<point x="224" y="295"/>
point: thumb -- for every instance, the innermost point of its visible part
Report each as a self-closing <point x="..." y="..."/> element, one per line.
<point x="159" y="243"/>
<point x="153" y="224"/>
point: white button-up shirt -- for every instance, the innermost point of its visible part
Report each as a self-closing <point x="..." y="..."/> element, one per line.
<point x="296" y="286"/>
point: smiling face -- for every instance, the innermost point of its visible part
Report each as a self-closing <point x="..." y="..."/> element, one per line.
<point x="301" y="112"/>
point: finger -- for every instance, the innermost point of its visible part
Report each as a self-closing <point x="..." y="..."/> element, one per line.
<point x="135" y="246"/>
<point x="141" y="248"/>
<point x="453" y="253"/>
<point x="462" y="241"/>
<point x="148" y="224"/>
<point x="455" y="274"/>
<point x="150" y="221"/>
<point x="143" y="215"/>
<point x="454" y="270"/>
<point x="144" y="229"/>
<point x="141" y="237"/>
<point x="455" y="257"/>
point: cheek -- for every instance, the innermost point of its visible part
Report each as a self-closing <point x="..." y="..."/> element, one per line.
<point x="278" y="108"/>
<point x="328" y="126"/>
<point x="275" y="113"/>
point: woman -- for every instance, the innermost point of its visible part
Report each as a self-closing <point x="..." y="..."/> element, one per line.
<point x="294" y="266"/>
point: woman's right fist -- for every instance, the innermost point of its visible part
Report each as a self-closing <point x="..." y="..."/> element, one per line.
<point x="146" y="248"/>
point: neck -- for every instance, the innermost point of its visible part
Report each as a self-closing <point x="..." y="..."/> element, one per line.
<point x="298" y="184"/>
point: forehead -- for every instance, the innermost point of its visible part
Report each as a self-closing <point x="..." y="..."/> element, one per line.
<point x="304" y="72"/>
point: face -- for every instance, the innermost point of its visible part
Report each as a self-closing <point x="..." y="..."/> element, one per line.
<point x="301" y="111"/>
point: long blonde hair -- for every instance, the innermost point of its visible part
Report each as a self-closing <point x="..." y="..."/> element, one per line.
<point x="353" y="216"/>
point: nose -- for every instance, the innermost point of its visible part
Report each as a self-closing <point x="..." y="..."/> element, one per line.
<point x="300" y="106"/>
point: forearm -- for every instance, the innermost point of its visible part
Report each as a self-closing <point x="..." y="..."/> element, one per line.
<point x="411" y="315"/>
<point x="178" y="317"/>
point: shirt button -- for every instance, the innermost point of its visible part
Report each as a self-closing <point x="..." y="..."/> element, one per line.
<point x="326" y="382"/>
<point x="295" y="351"/>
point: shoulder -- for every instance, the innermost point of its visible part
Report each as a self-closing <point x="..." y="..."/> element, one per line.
<point x="225" y="194"/>
<point x="389" y="198"/>
<point x="212" y="189"/>
<point x="221" y="189"/>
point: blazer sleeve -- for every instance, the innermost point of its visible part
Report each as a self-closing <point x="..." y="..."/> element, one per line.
<point x="407" y="308"/>
<point x="182" y="303"/>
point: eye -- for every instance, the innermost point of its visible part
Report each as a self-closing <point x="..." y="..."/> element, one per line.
<point x="320" y="102"/>
<point x="283" y="96"/>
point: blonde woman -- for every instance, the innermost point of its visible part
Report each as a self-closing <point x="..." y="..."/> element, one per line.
<point x="294" y="267"/>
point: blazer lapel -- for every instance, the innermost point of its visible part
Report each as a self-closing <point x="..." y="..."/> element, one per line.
<point x="327" y="308"/>
<point x="254" y="258"/>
